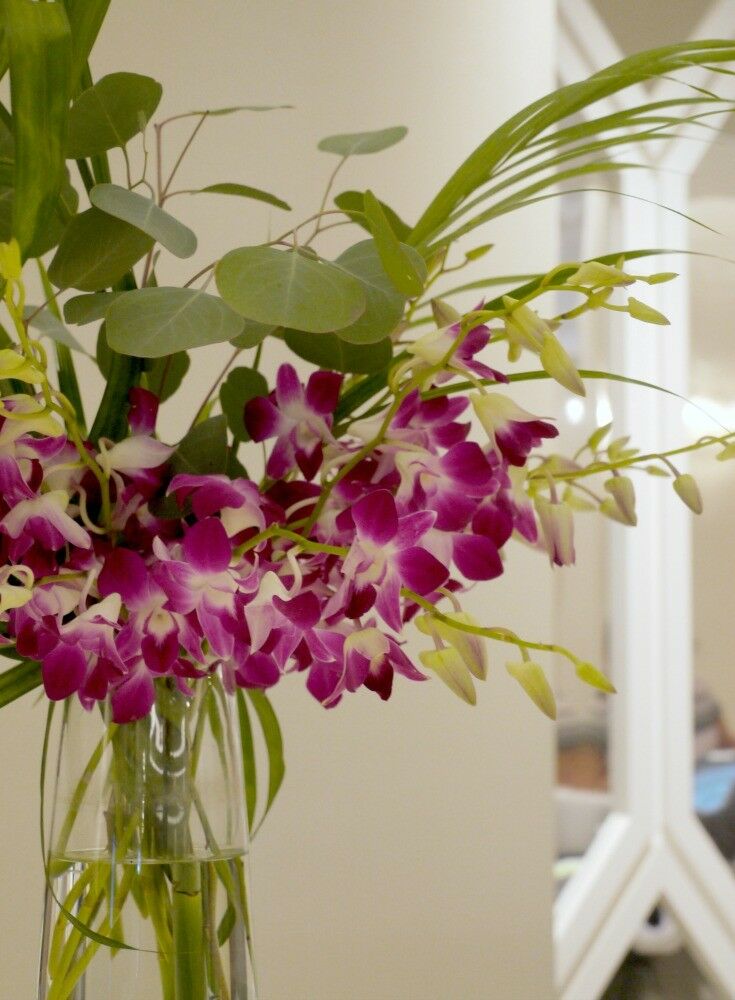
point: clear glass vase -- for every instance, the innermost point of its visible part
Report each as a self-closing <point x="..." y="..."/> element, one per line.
<point x="148" y="846"/>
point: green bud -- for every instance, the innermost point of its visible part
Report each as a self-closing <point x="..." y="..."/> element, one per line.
<point x="688" y="491"/>
<point x="645" y="313"/>
<point x="478" y="252"/>
<point x="727" y="453"/>
<point x="589" y="674"/>
<point x="444" y="314"/>
<point x="597" y="437"/>
<point x="556" y="362"/>
<point x="533" y="681"/>
<point x="448" y="665"/>
<point x="623" y="493"/>
<point x="594" y="274"/>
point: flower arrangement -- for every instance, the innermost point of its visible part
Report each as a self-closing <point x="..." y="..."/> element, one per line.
<point x="135" y="571"/>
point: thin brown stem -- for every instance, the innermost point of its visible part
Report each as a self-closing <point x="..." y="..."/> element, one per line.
<point x="213" y="387"/>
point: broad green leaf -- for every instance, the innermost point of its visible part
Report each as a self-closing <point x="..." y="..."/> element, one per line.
<point x="289" y="288"/>
<point x="85" y="19"/>
<point x="19" y="680"/>
<point x="241" y="385"/>
<point x="52" y="327"/>
<point x="252" y="334"/>
<point x="39" y="46"/>
<point x="163" y="376"/>
<point x="144" y="214"/>
<point x="83" y="309"/>
<point x="249" y="769"/>
<point x="154" y="322"/>
<point x="95" y="251"/>
<point x="273" y="744"/>
<point x="385" y="304"/>
<point x="203" y="451"/>
<point x="328" y="351"/>
<point x="398" y="265"/>
<point x="357" y="143"/>
<point x="56" y="223"/>
<point x="110" y="113"/>
<point x="352" y="204"/>
<point x="243" y="191"/>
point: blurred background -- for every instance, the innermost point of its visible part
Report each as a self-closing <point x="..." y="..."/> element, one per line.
<point x="420" y="848"/>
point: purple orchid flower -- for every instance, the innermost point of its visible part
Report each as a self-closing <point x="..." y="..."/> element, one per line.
<point x="513" y="431"/>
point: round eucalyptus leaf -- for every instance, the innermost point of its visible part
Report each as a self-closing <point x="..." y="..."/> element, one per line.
<point x="240" y="386"/>
<point x="110" y="113"/>
<point x="154" y="322"/>
<point x="252" y="334"/>
<point x="95" y="251"/>
<point x="328" y="351"/>
<point x="289" y="288"/>
<point x="83" y="309"/>
<point x="144" y="214"/>
<point x="243" y="191"/>
<point x="358" y="143"/>
<point x="385" y="304"/>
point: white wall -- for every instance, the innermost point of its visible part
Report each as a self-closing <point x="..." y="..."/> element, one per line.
<point x="409" y="854"/>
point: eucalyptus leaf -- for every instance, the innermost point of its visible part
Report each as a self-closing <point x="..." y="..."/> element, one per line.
<point x="398" y="264"/>
<point x="328" y="351"/>
<point x="358" y="143"/>
<point x="110" y="113"/>
<point x="83" y="309"/>
<point x="52" y="327"/>
<point x="241" y="385"/>
<point x="252" y="334"/>
<point x="352" y="204"/>
<point x="218" y="112"/>
<point x="385" y="304"/>
<point x="144" y="214"/>
<point x="154" y="322"/>
<point x="163" y="376"/>
<point x="289" y="288"/>
<point x="243" y="191"/>
<point x="95" y="251"/>
<point x="39" y="48"/>
<point x="203" y="451"/>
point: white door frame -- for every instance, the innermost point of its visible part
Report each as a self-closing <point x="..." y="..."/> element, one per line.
<point x="651" y="846"/>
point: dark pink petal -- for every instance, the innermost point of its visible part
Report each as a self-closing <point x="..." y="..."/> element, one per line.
<point x="258" y="670"/>
<point x="453" y="509"/>
<point x="380" y="678"/>
<point x="124" y="573"/>
<point x="282" y="458"/>
<point x="63" y="670"/>
<point x="387" y="603"/>
<point x="375" y="517"/>
<point x="450" y="434"/>
<point x="143" y="411"/>
<point x="262" y="419"/>
<point x="207" y="547"/>
<point x="401" y="663"/>
<point x="360" y="601"/>
<point x="288" y="387"/>
<point x="495" y="521"/>
<point x="357" y="667"/>
<point x="413" y="527"/>
<point x="160" y="653"/>
<point x="303" y="610"/>
<point x="134" y="697"/>
<point x="476" y="557"/>
<point x="419" y="570"/>
<point x="218" y="628"/>
<point x="12" y="485"/>
<point x="324" y="682"/>
<point x="322" y="391"/>
<point x="467" y="465"/>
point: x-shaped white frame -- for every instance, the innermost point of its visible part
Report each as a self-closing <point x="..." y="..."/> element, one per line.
<point x="651" y="846"/>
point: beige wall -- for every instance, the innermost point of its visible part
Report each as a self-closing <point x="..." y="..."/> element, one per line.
<point x="409" y="854"/>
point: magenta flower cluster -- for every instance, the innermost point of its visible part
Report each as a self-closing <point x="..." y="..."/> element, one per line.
<point x="313" y="570"/>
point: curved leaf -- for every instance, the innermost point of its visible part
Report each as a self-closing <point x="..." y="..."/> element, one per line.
<point x="273" y="743"/>
<point x="352" y="204"/>
<point x="328" y="351"/>
<point x="95" y="251"/>
<point x="85" y="18"/>
<point x="110" y="113"/>
<point x="243" y="191"/>
<point x="144" y="214"/>
<point x="385" y="304"/>
<point x="203" y="451"/>
<point x="154" y="322"/>
<point x="83" y="309"/>
<point x="289" y="288"/>
<point x="252" y="334"/>
<point x="50" y="326"/>
<point x="39" y="47"/>
<point x="358" y="143"/>
<point x="399" y="266"/>
<point x="241" y="385"/>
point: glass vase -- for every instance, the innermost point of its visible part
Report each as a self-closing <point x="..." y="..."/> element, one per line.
<point x="146" y="892"/>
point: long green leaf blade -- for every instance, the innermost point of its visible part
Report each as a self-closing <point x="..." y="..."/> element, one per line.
<point x="249" y="770"/>
<point x="273" y="743"/>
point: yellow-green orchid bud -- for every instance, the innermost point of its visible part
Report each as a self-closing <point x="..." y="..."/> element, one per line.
<point x="659" y="277"/>
<point x="15" y="595"/>
<point x="533" y="681"/>
<point x="589" y="674"/>
<point x="622" y="492"/>
<point x="432" y="347"/>
<point x="523" y="326"/>
<point x="727" y="453"/>
<point x="11" y="264"/>
<point x="594" y="274"/>
<point x="470" y="647"/>
<point x="14" y="365"/>
<point x="645" y="313"/>
<point x="575" y="501"/>
<point x="444" y="314"/>
<point x="556" y="362"/>
<point x="557" y="529"/>
<point x="687" y="489"/>
<point x="448" y="665"/>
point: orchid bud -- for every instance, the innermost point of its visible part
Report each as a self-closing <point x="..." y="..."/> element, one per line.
<point x="589" y="674"/>
<point x="623" y="493"/>
<point x="14" y="365"/>
<point x="523" y="326"/>
<point x="444" y="314"/>
<point x="448" y="665"/>
<point x="432" y="347"/>
<point x="594" y="274"/>
<point x="533" y="681"/>
<point x="557" y="529"/>
<point x="556" y="362"/>
<point x="727" y="453"/>
<point x="688" y="491"/>
<point x="470" y="647"/>
<point x="645" y="313"/>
